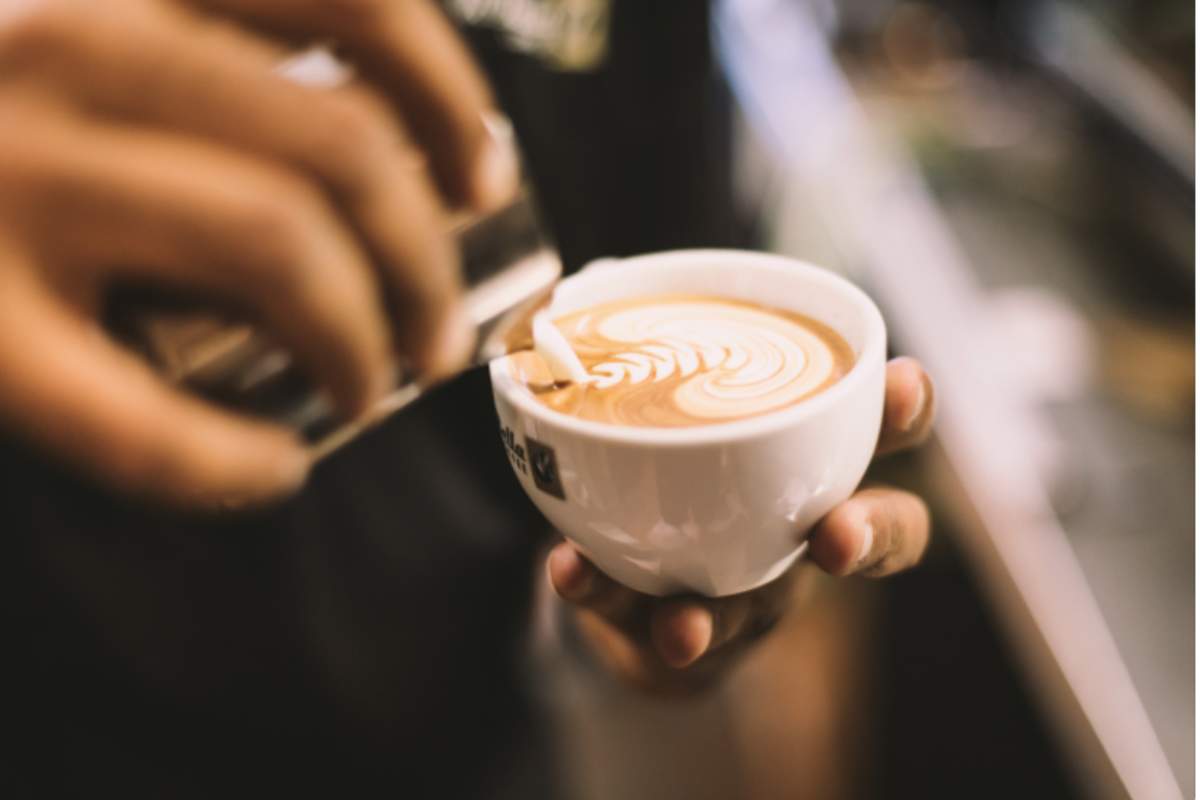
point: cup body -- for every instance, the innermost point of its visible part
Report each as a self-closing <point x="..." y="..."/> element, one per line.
<point x="713" y="509"/>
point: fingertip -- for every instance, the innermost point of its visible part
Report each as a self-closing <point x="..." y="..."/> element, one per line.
<point x="910" y="416"/>
<point x="258" y="467"/>
<point x="293" y="465"/>
<point x="497" y="168"/>
<point x="843" y="540"/>
<point x="907" y="396"/>
<point x="570" y="576"/>
<point x="907" y="368"/>
<point x="682" y="634"/>
<point x="357" y="399"/>
<point x="452" y="346"/>
<point x="282" y="465"/>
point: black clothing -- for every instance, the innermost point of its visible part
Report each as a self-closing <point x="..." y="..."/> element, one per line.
<point x="369" y="633"/>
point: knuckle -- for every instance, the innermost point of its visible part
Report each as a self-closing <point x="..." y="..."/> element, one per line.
<point x="356" y="119"/>
<point x="17" y="163"/>
<point x="30" y="31"/>
<point x="354" y="134"/>
<point x="299" y="257"/>
<point x="357" y="15"/>
<point x="274" y="223"/>
<point x="34" y="32"/>
<point x="271" y="226"/>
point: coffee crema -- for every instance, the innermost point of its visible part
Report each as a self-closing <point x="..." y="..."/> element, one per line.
<point x="685" y="360"/>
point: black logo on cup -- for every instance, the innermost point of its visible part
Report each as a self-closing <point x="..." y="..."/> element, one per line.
<point x="545" y="468"/>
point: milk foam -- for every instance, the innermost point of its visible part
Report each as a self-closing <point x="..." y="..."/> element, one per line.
<point x="695" y="360"/>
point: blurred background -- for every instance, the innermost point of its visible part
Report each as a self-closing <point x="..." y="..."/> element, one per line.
<point x="1014" y="183"/>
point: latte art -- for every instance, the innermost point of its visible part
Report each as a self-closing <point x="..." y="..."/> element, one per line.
<point x="680" y="360"/>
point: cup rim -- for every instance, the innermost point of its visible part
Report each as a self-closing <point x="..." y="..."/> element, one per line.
<point x="765" y="424"/>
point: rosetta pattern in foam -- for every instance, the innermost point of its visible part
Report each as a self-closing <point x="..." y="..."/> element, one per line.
<point x="721" y="360"/>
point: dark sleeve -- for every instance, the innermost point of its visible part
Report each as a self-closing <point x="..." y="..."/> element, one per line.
<point x="371" y="628"/>
<point x="635" y="155"/>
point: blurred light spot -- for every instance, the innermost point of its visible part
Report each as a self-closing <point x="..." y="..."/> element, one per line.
<point x="923" y="46"/>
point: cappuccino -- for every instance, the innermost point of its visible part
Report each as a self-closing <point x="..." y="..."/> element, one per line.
<point x="680" y="360"/>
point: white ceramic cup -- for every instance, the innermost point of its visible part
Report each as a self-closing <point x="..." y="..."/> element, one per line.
<point x="714" y="509"/>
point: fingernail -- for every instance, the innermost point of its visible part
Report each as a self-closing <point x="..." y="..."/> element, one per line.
<point x="575" y="579"/>
<point x="688" y="641"/>
<point x="865" y="546"/>
<point x="289" y="473"/>
<point x="918" y="408"/>
<point x="497" y="172"/>
<point x="703" y="632"/>
<point x="388" y="379"/>
<point x="383" y="381"/>
<point x="455" y="344"/>
<point x="293" y="471"/>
